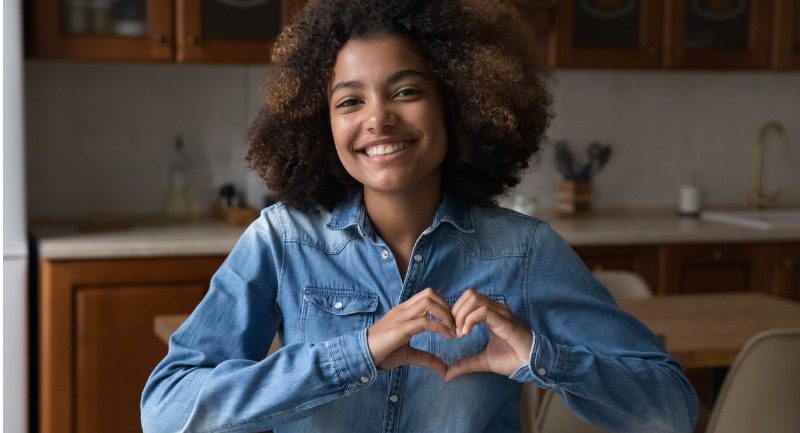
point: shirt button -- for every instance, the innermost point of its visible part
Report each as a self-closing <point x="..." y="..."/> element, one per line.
<point x="338" y="305"/>
<point x="384" y="254"/>
<point x="541" y="371"/>
<point x="364" y="379"/>
<point x="418" y="258"/>
<point x="393" y="398"/>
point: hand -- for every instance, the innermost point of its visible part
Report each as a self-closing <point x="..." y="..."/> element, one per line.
<point x="509" y="340"/>
<point x="388" y="338"/>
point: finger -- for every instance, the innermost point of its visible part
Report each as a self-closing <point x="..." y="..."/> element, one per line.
<point x="469" y="301"/>
<point x="433" y="304"/>
<point x="427" y="360"/>
<point x="416" y="326"/>
<point x="473" y="364"/>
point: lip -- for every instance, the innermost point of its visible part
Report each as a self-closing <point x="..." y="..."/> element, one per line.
<point x="383" y="140"/>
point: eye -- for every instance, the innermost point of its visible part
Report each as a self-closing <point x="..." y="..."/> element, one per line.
<point x="349" y="102"/>
<point x="407" y="92"/>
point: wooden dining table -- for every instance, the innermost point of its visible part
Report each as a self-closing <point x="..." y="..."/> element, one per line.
<point x="701" y="330"/>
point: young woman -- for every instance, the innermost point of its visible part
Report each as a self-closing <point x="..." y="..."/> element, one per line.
<point x="405" y="299"/>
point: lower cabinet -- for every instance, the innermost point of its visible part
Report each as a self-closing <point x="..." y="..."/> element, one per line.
<point x="639" y="259"/>
<point x="96" y="340"/>
<point x="712" y="268"/>
<point x="784" y="270"/>
<point x="769" y="267"/>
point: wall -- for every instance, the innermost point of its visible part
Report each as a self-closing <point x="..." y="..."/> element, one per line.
<point x="99" y="134"/>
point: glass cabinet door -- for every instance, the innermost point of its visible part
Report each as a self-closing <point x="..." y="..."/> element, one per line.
<point x="609" y="33"/>
<point x="786" y="35"/>
<point x="104" y="17"/>
<point x="239" y="31"/>
<point x="101" y="29"/>
<point x="730" y="34"/>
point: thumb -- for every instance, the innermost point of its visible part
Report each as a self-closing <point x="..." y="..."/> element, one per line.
<point x="473" y="364"/>
<point x="426" y="360"/>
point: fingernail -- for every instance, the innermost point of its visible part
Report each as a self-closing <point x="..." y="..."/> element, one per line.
<point x="464" y="331"/>
<point x="458" y="332"/>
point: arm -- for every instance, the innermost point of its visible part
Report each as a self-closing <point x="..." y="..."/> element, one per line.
<point x="215" y="376"/>
<point x="609" y="368"/>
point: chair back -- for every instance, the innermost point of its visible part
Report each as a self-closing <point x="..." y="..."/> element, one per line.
<point x="624" y="284"/>
<point x="761" y="392"/>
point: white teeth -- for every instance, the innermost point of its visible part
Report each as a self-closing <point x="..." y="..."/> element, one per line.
<point x="386" y="149"/>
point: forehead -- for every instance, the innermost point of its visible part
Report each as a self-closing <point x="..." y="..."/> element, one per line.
<point x="365" y="57"/>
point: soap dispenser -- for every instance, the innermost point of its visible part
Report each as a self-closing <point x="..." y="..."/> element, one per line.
<point x="179" y="201"/>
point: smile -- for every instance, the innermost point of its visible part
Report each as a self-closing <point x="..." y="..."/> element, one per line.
<point x="386" y="149"/>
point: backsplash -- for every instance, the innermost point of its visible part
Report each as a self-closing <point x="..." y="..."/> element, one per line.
<point x="99" y="135"/>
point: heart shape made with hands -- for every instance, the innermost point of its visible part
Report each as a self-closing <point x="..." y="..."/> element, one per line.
<point x="508" y="346"/>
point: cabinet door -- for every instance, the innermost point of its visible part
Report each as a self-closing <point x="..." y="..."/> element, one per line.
<point x="642" y="260"/>
<point x="609" y="33"/>
<point x="236" y="31"/>
<point x="101" y="30"/>
<point x="718" y="34"/>
<point x="785" y="270"/>
<point x="711" y="268"/>
<point x="116" y="349"/>
<point x="95" y="335"/>
<point x="786" y="35"/>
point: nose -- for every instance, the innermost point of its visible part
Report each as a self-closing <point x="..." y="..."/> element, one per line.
<point x="380" y="117"/>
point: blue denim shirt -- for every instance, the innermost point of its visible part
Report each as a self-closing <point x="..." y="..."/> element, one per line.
<point x="320" y="280"/>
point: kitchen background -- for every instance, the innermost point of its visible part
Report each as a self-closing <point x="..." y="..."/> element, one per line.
<point x="100" y="135"/>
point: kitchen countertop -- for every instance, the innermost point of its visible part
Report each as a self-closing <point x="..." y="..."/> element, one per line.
<point x="205" y="238"/>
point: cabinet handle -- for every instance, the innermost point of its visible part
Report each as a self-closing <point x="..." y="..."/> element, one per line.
<point x="192" y="40"/>
<point x="717" y="255"/>
<point x="788" y="262"/>
<point x="652" y="51"/>
<point x="160" y="39"/>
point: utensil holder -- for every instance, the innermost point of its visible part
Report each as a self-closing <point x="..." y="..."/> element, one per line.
<point x="573" y="197"/>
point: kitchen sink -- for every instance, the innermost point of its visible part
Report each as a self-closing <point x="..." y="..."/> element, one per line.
<point x="764" y="219"/>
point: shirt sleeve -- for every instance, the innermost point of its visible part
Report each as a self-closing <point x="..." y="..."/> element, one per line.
<point x="610" y="369"/>
<point x="216" y="376"/>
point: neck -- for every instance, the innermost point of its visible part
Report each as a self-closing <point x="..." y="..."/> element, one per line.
<point x="401" y="218"/>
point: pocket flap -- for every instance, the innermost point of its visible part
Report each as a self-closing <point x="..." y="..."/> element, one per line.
<point x="342" y="302"/>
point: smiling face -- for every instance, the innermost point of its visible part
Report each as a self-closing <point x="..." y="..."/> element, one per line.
<point x="387" y="117"/>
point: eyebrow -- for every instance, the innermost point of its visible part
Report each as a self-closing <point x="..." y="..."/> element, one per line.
<point x="395" y="77"/>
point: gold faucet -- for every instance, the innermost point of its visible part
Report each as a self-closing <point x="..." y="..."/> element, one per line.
<point x="759" y="200"/>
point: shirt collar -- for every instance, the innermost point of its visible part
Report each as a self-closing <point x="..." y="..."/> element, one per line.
<point x="351" y="212"/>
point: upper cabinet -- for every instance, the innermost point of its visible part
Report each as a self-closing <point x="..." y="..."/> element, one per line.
<point x="718" y="34"/>
<point x="608" y="34"/>
<point x="217" y="31"/>
<point x="786" y="34"/>
<point x="676" y="34"/>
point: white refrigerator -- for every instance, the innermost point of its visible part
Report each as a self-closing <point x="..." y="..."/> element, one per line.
<point x="15" y="247"/>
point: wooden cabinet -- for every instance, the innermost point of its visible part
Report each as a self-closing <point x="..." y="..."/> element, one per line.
<point x="96" y="341"/>
<point x="608" y="34"/>
<point x="677" y="34"/>
<point x="769" y="267"/>
<point x="786" y="34"/>
<point x="784" y="269"/>
<point x="711" y="268"/>
<point x="641" y="260"/>
<point x="156" y="30"/>
<point x="718" y="34"/>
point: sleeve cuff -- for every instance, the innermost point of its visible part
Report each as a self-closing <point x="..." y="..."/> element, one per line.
<point x="546" y="363"/>
<point x="352" y="360"/>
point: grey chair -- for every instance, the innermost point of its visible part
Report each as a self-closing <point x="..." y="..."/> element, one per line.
<point x="624" y="284"/>
<point x="761" y="392"/>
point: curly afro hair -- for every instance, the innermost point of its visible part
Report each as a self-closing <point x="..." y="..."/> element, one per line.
<point x="497" y="107"/>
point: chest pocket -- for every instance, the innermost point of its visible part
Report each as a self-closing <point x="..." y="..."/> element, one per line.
<point x="328" y="313"/>
<point x="451" y="350"/>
